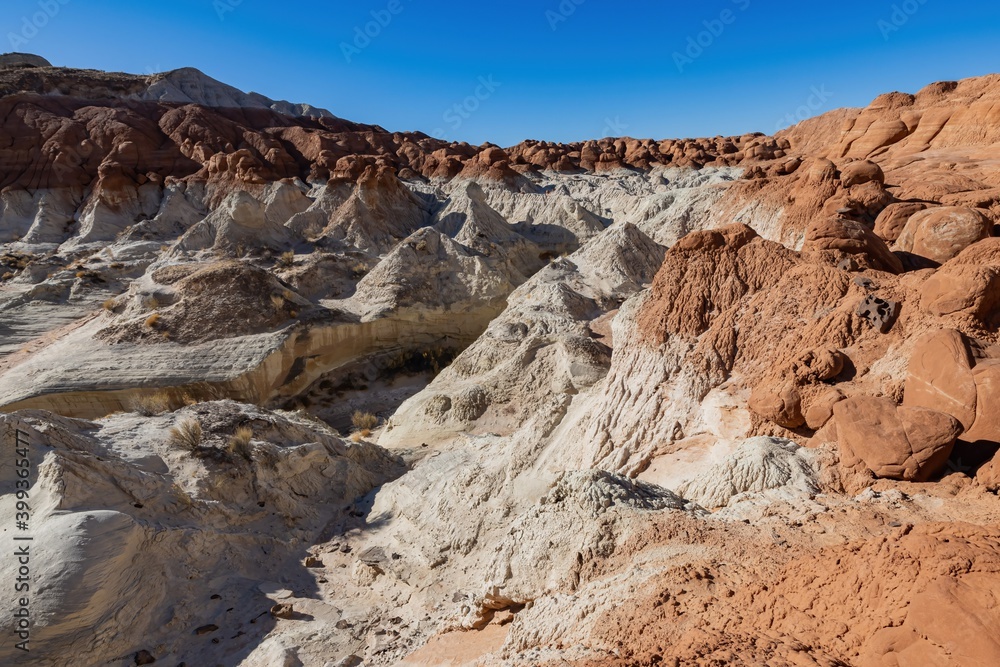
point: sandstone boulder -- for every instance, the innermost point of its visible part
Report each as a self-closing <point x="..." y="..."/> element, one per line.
<point x="840" y="235"/>
<point x="822" y="170"/>
<point x="894" y="442"/>
<point x="862" y="202"/>
<point x="780" y="403"/>
<point x="940" y="376"/>
<point x="822" y="363"/>
<point x="890" y="222"/>
<point x="818" y="406"/>
<point x="860" y="172"/>
<point x="939" y="234"/>
<point x="967" y="286"/>
<point x="782" y="396"/>
<point x="986" y="427"/>
<point x="989" y="475"/>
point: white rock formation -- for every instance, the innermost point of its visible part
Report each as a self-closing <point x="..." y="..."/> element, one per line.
<point x="191" y="86"/>
<point x="129" y="522"/>
<point x="755" y="465"/>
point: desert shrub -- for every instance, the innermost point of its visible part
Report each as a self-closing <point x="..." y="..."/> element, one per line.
<point x="187" y="435"/>
<point x="87" y="274"/>
<point x="202" y="392"/>
<point x="150" y="405"/>
<point x="239" y="442"/>
<point x="109" y="305"/>
<point x="152" y="320"/>
<point x="363" y="422"/>
<point x="287" y="259"/>
<point x="277" y="301"/>
<point x="16" y="260"/>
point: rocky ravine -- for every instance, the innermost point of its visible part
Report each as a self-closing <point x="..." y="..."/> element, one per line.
<point x="703" y="402"/>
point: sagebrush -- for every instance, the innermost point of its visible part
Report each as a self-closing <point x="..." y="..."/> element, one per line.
<point x="187" y="435"/>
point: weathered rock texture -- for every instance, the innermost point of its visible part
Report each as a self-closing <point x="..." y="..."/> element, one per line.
<point x="619" y="402"/>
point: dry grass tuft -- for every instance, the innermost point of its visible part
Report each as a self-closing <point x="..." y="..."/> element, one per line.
<point x="152" y="320"/>
<point x="187" y="435"/>
<point x="150" y="405"/>
<point x="109" y="305"/>
<point x="287" y="259"/>
<point x="277" y="301"/>
<point x="87" y="274"/>
<point x="239" y="443"/>
<point x="363" y="422"/>
<point x="202" y="392"/>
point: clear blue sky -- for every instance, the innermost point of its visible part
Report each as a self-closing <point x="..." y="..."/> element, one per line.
<point x="561" y="71"/>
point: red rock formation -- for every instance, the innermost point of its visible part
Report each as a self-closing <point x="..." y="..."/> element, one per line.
<point x="894" y="442"/>
<point x="966" y="289"/>
<point x="941" y="233"/>
<point x="890" y="222"/>
<point x="861" y="172"/>
<point x="833" y="238"/>
<point x="705" y="273"/>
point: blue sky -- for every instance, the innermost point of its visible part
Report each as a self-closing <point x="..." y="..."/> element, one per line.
<point x="559" y="70"/>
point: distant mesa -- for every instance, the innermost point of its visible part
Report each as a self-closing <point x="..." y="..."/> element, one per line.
<point x="12" y="60"/>
<point x="177" y="87"/>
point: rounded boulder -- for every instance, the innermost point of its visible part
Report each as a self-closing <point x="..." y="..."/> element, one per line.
<point x="941" y="233"/>
<point x="894" y="442"/>
<point x="860" y="172"/>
